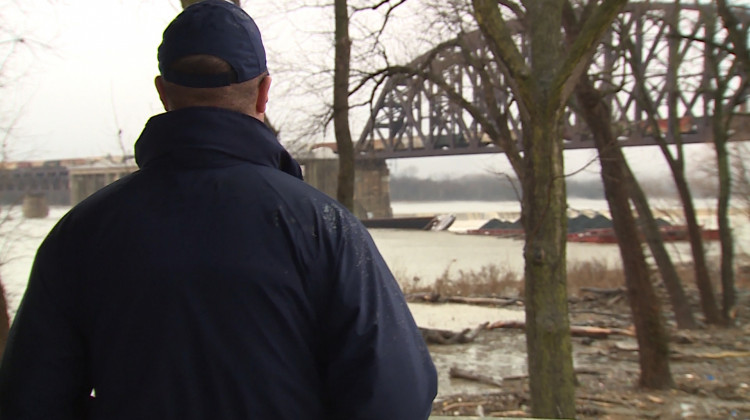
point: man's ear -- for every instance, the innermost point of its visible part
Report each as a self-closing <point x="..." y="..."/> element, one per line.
<point x="159" y="82"/>
<point x="260" y="104"/>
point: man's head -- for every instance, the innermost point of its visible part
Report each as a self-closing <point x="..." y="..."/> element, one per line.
<point x="212" y="55"/>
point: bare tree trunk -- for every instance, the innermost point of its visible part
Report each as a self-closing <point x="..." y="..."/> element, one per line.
<point x="700" y="266"/>
<point x="683" y="314"/>
<point x="677" y="167"/>
<point x="541" y="86"/>
<point x="544" y="218"/>
<point x="596" y="113"/>
<point x="723" y="110"/>
<point x="729" y="294"/>
<point x="677" y="297"/>
<point x="653" y="342"/>
<point x="702" y="276"/>
<point x="735" y="33"/>
<point x="545" y="223"/>
<point x="4" y="320"/>
<point x="345" y="189"/>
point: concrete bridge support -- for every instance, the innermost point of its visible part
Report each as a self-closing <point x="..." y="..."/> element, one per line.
<point x="372" y="198"/>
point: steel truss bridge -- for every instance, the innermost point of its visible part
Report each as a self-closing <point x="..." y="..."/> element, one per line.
<point x="418" y="114"/>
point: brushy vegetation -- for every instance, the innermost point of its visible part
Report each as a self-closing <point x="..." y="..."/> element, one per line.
<point x="490" y="280"/>
<point x="495" y="281"/>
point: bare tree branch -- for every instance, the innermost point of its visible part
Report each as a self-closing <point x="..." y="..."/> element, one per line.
<point x="577" y="58"/>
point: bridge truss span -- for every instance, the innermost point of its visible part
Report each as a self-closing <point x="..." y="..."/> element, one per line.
<point x="456" y="100"/>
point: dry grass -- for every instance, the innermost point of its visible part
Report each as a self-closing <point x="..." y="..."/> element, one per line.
<point x="492" y="280"/>
<point x="495" y="281"/>
<point x="593" y="274"/>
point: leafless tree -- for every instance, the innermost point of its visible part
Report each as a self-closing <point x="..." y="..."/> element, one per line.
<point x="722" y="85"/>
<point x="726" y="101"/>
<point x="653" y="342"/>
<point x="10" y="44"/>
<point x="542" y="85"/>
<point x="341" y="69"/>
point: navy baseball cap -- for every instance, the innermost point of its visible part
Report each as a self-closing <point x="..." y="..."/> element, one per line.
<point x="218" y="28"/>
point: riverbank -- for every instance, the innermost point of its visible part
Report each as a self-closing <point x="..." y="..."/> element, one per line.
<point x="710" y="367"/>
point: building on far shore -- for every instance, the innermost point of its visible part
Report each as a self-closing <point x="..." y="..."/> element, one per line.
<point x="85" y="180"/>
<point x="61" y="182"/>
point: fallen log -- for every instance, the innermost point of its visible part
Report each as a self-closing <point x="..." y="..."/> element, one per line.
<point x="517" y="325"/>
<point x="604" y="292"/>
<point x="600" y="400"/>
<point x="607" y="314"/>
<point x="435" y="336"/>
<point x="576" y="331"/>
<point x="714" y="356"/>
<point x="483" y="301"/>
<point x="456" y="372"/>
<point x="433" y="297"/>
<point x="581" y="371"/>
<point x="430" y="297"/>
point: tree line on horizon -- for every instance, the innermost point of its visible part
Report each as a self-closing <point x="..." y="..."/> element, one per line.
<point x="490" y="187"/>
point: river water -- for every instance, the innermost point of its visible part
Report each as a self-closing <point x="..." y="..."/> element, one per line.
<point x="419" y="256"/>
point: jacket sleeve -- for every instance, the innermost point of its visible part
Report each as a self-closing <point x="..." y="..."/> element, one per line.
<point x="378" y="364"/>
<point x="42" y="371"/>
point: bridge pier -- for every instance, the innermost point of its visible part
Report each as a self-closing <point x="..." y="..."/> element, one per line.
<point x="372" y="198"/>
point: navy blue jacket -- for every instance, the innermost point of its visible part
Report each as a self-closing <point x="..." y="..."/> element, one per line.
<point x="213" y="284"/>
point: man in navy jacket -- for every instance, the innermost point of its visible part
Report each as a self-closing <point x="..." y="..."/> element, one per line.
<point x="213" y="283"/>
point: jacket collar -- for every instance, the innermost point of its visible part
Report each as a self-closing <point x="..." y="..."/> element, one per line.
<point x="198" y="136"/>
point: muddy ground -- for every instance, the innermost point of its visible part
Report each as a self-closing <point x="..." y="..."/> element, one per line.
<point x="710" y="367"/>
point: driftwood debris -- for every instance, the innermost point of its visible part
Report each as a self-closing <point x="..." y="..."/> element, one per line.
<point x="600" y="313"/>
<point x="617" y="291"/>
<point x="483" y="300"/>
<point x="456" y="372"/>
<point x="714" y="356"/>
<point x="576" y="331"/>
<point x="580" y="371"/>
<point x="429" y="297"/>
<point x="435" y="336"/>
<point x="432" y="297"/>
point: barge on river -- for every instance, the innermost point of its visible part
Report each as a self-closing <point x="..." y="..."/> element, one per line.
<point x="438" y="222"/>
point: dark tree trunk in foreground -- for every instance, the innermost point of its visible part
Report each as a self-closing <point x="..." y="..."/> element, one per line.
<point x="550" y="363"/>
<point x="653" y="341"/>
<point x="541" y="86"/>
<point x="344" y="145"/>
<point x="4" y="320"/>
<point x="544" y="219"/>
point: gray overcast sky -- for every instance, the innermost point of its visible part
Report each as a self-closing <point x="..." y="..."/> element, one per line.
<point x="94" y="75"/>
